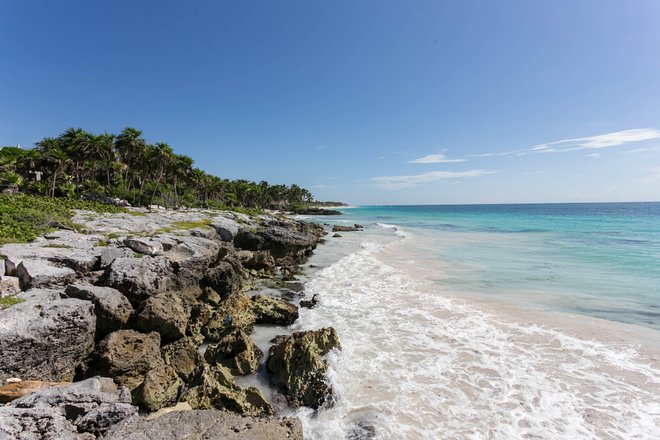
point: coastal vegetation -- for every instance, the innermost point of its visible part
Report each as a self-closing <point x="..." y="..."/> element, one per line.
<point x="24" y="217"/>
<point x="126" y="166"/>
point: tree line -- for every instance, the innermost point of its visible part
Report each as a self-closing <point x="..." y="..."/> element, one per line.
<point x="79" y="163"/>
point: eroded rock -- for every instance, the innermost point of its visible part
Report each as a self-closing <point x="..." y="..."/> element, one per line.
<point x="273" y="311"/>
<point x="160" y="388"/>
<point x="236" y="351"/>
<point x="112" y="309"/>
<point x="45" y="338"/>
<point x="164" y="313"/>
<point x="139" y="278"/>
<point x="298" y="366"/>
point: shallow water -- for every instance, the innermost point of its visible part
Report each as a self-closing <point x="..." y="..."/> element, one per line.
<point x="430" y="350"/>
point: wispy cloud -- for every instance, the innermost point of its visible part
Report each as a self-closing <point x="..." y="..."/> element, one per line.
<point x="396" y="182"/>
<point x="436" y="158"/>
<point x="642" y="150"/>
<point x="594" y="155"/>
<point x="606" y="140"/>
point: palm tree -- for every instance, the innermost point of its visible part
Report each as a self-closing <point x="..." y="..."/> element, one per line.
<point x="161" y="155"/>
<point x="131" y="149"/>
<point x="56" y="156"/>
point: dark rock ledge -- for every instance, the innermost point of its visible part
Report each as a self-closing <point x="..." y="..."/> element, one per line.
<point x="150" y="314"/>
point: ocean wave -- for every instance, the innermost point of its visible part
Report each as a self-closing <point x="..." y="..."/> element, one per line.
<point x="416" y="364"/>
<point x="396" y="228"/>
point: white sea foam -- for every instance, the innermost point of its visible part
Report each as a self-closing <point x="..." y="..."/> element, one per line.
<point x="396" y="228"/>
<point x="416" y="364"/>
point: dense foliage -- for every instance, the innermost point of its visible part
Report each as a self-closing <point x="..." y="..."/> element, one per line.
<point x="23" y="218"/>
<point x="128" y="167"/>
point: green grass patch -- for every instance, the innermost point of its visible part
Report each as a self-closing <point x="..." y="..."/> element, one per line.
<point x="23" y="218"/>
<point x="8" y="301"/>
<point x="192" y="225"/>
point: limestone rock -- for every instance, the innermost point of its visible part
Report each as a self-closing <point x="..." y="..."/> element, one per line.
<point x="144" y="246"/>
<point x="236" y="351"/>
<point x="214" y="387"/>
<point x="223" y="278"/>
<point x="256" y="260"/>
<point x="35" y="273"/>
<point x="112" y="309"/>
<point x="160" y="388"/>
<point x="83" y="410"/>
<point x="308" y="304"/>
<point x="182" y="356"/>
<point x="111" y="253"/>
<point x="273" y="311"/>
<point x="139" y="278"/>
<point x="127" y="356"/>
<point x="235" y="311"/>
<point x="15" y="390"/>
<point x="164" y="313"/>
<point x="298" y="366"/>
<point x="226" y="228"/>
<point x="248" y="240"/>
<point x="207" y="425"/>
<point x="45" y="338"/>
<point x="339" y="228"/>
<point x="9" y="286"/>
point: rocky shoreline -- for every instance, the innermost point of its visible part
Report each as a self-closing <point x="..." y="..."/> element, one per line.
<point x="136" y="325"/>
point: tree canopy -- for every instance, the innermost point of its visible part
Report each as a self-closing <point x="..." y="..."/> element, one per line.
<point x="126" y="166"/>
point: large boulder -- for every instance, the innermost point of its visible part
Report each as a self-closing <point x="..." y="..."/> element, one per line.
<point x="83" y="410"/>
<point x="110" y="253"/>
<point x="273" y="311"/>
<point x="127" y="356"/>
<point x="207" y="425"/>
<point x="144" y="246"/>
<point x="112" y="309"/>
<point x="248" y="240"/>
<point x="45" y="338"/>
<point x="223" y="278"/>
<point x="298" y="366"/>
<point x="16" y="390"/>
<point x="235" y="311"/>
<point x="182" y="356"/>
<point x="236" y="351"/>
<point x="164" y="313"/>
<point x="214" y="387"/>
<point x="290" y="243"/>
<point x="160" y="388"/>
<point x="225" y="228"/>
<point x="139" y="278"/>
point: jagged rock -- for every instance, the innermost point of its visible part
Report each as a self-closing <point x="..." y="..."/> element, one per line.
<point x="236" y="351"/>
<point x="112" y="309"/>
<point x="83" y="410"/>
<point x="164" y="313"/>
<point x="210" y="297"/>
<point x="273" y="311"/>
<point x="127" y="356"/>
<point x="311" y="303"/>
<point x="2" y="267"/>
<point x="111" y="253"/>
<point x="214" y="387"/>
<point x="181" y="406"/>
<point x="189" y="252"/>
<point x="200" y="315"/>
<point x="160" y="388"/>
<point x="235" y="311"/>
<point x="248" y="240"/>
<point x="144" y="246"/>
<point x="139" y="278"/>
<point x="226" y="228"/>
<point x="298" y="366"/>
<point x="207" y="425"/>
<point x="288" y="245"/>
<point x="223" y="278"/>
<point x="45" y="338"/>
<point x="336" y="236"/>
<point x="35" y="273"/>
<point x="9" y="285"/>
<point x="339" y="228"/>
<point x="204" y="232"/>
<point x="15" y="390"/>
<point x="182" y="356"/>
<point x="256" y="260"/>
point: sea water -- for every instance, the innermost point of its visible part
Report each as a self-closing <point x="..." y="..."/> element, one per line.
<point x="480" y="322"/>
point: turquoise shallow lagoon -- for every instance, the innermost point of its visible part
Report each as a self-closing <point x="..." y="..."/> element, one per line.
<point x="597" y="259"/>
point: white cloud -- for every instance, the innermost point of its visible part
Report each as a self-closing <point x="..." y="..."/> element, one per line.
<point x="606" y="140"/>
<point x="594" y="155"/>
<point x="435" y="158"/>
<point x="641" y="150"/>
<point x="395" y="182"/>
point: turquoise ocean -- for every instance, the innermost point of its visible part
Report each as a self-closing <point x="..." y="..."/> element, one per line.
<point x="535" y="321"/>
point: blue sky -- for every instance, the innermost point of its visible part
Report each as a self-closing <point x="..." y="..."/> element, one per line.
<point x="371" y="102"/>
